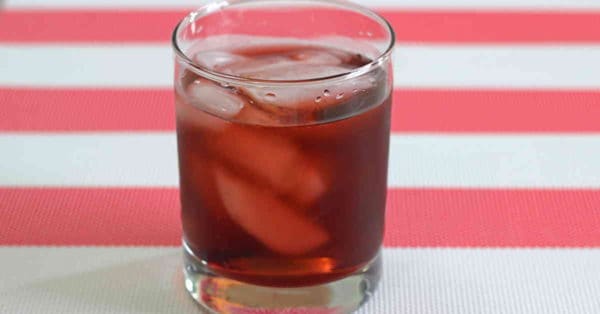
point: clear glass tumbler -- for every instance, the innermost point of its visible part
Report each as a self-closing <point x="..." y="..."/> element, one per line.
<point x="283" y="123"/>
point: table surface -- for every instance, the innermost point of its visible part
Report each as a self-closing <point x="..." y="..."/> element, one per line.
<point x="494" y="199"/>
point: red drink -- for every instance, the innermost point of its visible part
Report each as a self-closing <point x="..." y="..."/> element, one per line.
<point x="283" y="113"/>
<point x="283" y="186"/>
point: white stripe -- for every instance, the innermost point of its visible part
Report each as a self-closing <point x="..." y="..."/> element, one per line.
<point x="497" y="66"/>
<point x="423" y="4"/>
<point x="145" y="159"/>
<point x="464" y="66"/>
<point x="92" y="66"/>
<point x="440" y="281"/>
<point x="493" y="161"/>
<point x="149" y="159"/>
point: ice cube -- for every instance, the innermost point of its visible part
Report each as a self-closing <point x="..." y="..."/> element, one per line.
<point x="277" y="225"/>
<point x="254" y="114"/>
<point x="297" y="65"/>
<point x="274" y="160"/>
<point x="249" y="67"/>
<point x="193" y="117"/>
<point x="312" y="96"/>
<point x="216" y="59"/>
<point x="317" y="56"/>
<point x="305" y="183"/>
<point x="214" y="99"/>
<point x="296" y="71"/>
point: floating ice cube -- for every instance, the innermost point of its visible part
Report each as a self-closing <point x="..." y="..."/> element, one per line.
<point x="273" y="104"/>
<point x="315" y="96"/>
<point x="316" y="56"/>
<point x="250" y="68"/>
<point x="296" y="71"/>
<point x="214" y="99"/>
<point x="192" y="117"/>
<point x="254" y="114"/>
<point x="215" y="59"/>
<point x="279" y="226"/>
<point x="298" y="65"/>
<point x="273" y="161"/>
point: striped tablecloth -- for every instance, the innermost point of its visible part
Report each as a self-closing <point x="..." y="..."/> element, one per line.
<point x="494" y="188"/>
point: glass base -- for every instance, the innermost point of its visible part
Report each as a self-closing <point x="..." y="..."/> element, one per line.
<point x="218" y="294"/>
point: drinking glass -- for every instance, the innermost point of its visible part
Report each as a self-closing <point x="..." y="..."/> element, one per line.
<point x="283" y="126"/>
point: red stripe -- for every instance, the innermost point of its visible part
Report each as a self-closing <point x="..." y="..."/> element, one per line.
<point x="87" y="26"/>
<point x="495" y="27"/>
<point x="416" y="217"/>
<point x="86" y="110"/>
<point x="156" y="26"/>
<point x="490" y="218"/>
<point x="96" y="216"/>
<point x="413" y="110"/>
<point x="410" y="25"/>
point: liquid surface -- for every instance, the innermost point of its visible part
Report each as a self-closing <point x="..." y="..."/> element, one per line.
<point x="283" y="186"/>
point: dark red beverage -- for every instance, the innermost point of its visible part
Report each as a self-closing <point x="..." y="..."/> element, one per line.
<point x="283" y="185"/>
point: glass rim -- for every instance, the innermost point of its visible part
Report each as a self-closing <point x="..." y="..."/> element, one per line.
<point x="216" y="5"/>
